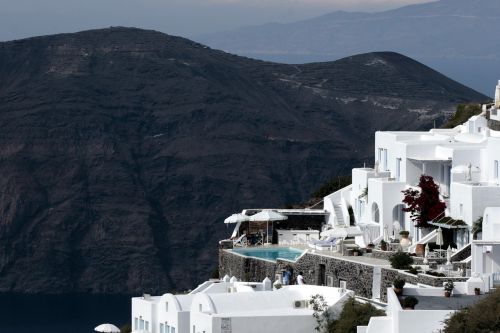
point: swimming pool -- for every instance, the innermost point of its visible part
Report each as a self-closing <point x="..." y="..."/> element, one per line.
<point x="272" y="253"/>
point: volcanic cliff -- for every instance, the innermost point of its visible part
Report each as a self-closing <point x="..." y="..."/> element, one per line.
<point x="121" y="150"/>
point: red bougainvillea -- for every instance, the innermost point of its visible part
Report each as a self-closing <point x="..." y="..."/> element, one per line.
<point x="424" y="205"/>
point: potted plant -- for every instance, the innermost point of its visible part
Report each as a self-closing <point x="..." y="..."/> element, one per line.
<point x="410" y="302"/>
<point x="405" y="241"/>
<point x="404" y="233"/>
<point x="398" y="286"/>
<point x="383" y="245"/>
<point x="448" y="288"/>
<point x="370" y="247"/>
<point x="477" y="291"/>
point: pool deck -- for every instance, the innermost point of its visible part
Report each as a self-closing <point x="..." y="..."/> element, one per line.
<point x="365" y="259"/>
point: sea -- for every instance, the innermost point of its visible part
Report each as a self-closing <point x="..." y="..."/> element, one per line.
<point x="61" y="313"/>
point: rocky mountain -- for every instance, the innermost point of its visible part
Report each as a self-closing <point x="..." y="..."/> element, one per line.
<point x="456" y="37"/>
<point x="121" y="150"/>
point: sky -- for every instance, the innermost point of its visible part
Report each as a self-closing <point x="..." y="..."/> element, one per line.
<point x="188" y="18"/>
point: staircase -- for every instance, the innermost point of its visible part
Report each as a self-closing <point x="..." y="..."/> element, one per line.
<point x="462" y="254"/>
<point x="339" y="215"/>
<point x="427" y="239"/>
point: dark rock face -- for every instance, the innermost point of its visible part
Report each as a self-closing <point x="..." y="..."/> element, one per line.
<point x="121" y="150"/>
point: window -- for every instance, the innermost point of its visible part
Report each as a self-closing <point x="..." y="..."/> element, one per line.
<point x="136" y="323"/>
<point x="461" y="210"/>
<point x="162" y="328"/>
<point x="495" y="169"/>
<point x="167" y="328"/>
<point x="172" y="329"/>
<point x="141" y="324"/>
<point x="398" y="169"/>
<point x="200" y="307"/>
<point x="379" y="156"/>
<point x="386" y="165"/>
<point x="194" y="329"/>
<point x="146" y="327"/>
<point x="166" y="306"/>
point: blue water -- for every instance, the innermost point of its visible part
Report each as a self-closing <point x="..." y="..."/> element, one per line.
<point x="271" y="253"/>
<point x="61" y="314"/>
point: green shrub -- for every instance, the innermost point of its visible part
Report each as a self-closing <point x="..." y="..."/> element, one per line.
<point x="399" y="283"/>
<point x="410" y="302"/>
<point x="414" y="270"/>
<point x="463" y="113"/>
<point x="482" y="317"/>
<point x="434" y="273"/>
<point x="354" y="314"/>
<point x="401" y="260"/>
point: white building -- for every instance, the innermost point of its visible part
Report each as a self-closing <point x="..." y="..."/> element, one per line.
<point x="494" y="111"/>
<point x="283" y="310"/>
<point x="171" y="313"/>
<point x="464" y="162"/>
<point x="223" y="306"/>
<point x="428" y="316"/>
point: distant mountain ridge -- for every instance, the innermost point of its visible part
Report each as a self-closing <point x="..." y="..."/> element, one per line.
<point x="457" y="37"/>
<point x="122" y="150"/>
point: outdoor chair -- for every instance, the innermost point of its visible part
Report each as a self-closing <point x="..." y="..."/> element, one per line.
<point x="240" y="241"/>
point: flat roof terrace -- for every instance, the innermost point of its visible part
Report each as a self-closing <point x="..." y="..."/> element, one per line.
<point x="455" y="302"/>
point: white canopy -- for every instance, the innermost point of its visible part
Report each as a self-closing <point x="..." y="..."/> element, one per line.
<point x="236" y="218"/>
<point x="268" y="215"/>
<point x="107" y="328"/>
<point x="342" y="232"/>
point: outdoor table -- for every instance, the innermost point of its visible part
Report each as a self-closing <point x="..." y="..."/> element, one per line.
<point x="441" y="253"/>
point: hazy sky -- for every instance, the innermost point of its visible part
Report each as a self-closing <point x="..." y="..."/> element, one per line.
<point x="25" y="18"/>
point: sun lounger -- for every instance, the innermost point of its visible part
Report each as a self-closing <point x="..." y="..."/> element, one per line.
<point x="240" y="241"/>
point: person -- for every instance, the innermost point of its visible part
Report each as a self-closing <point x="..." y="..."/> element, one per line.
<point x="286" y="277"/>
<point x="300" y="279"/>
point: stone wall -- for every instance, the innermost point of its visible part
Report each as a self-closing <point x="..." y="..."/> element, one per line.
<point x="358" y="276"/>
<point x="245" y="268"/>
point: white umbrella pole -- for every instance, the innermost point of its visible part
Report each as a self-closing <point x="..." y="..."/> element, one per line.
<point x="267" y="231"/>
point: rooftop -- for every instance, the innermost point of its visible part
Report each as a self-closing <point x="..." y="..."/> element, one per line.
<point x="456" y="302"/>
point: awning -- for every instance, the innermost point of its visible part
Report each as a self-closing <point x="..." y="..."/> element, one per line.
<point x="449" y="226"/>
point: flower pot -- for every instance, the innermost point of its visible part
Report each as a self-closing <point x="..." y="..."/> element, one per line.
<point x="405" y="242"/>
<point x="447" y="294"/>
<point x="420" y="250"/>
<point x="398" y="291"/>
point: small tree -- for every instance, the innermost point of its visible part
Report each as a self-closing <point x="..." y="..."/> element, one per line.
<point x="354" y="314"/>
<point x="321" y="314"/>
<point x="401" y="260"/>
<point x="480" y="317"/>
<point x="423" y="205"/>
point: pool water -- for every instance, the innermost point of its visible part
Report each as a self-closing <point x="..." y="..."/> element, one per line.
<point x="274" y="253"/>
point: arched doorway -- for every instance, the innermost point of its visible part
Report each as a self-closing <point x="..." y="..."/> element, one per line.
<point x="398" y="219"/>
<point x="375" y="213"/>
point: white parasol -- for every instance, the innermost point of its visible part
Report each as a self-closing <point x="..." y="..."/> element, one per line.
<point x="268" y="216"/>
<point x="107" y="328"/>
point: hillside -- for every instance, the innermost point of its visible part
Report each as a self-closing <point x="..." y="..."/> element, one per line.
<point x="456" y="37"/>
<point x="123" y="149"/>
